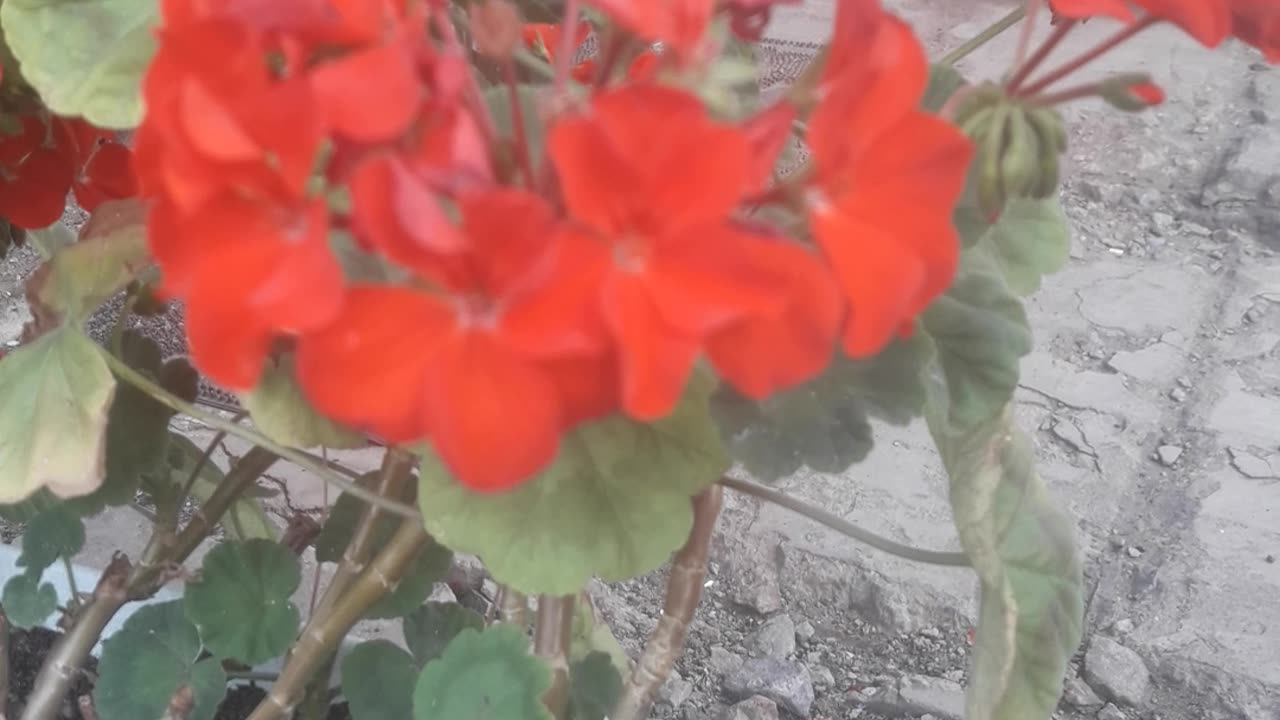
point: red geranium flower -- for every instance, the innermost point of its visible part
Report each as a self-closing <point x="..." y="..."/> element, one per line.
<point x="1208" y="21"/>
<point x="473" y="368"/>
<point x="679" y="24"/>
<point x="887" y="177"/>
<point x="1257" y="22"/>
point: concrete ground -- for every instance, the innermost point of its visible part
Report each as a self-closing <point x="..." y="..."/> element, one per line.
<point x="1154" y="394"/>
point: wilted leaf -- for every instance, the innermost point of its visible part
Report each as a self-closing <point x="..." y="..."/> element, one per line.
<point x="944" y="81"/>
<point x="49" y="240"/>
<point x="824" y="424"/>
<point x="86" y="57"/>
<point x="52" y="534"/>
<point x="594" y="687"/>
<point x="241" y="602"/>
<point x="980" y="332"/>
<point x="1029" y="241"/>
<point x="110" y="253"/>
<point x="378" y="680"/>
<point x="429" y="629"/>
<point x="153" y="657"/>
<point x="56" y="391"/>
<point x="484" y="675"/>
<point x="615" y="503"/>
<point x="27" y="603"/>
<point x="245" y="519"/>
<point x="1023" y="550"/>
<point x="282" y="413"/>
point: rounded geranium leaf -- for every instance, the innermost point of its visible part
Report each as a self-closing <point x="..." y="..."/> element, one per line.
<point x="429" y="629"/>
<point x="153" y="663"/>
<point x="1030" y="240"/>
<point x="431" y="565"/>
<point x="241" y="603"/>
<point x="594" y="687"/>
<point x="52" y="534"/>
<point x="26" y="602"/>
<point x="85" y="58"/>
<point x="487" y="675"/>
<point x="378" y="680"/>
<point x="614" y="504"/>
<point x="280" y="411"/>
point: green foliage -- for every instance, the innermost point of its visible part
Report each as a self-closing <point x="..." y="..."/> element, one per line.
<point x="86" y="57"/>
<point x="54" y="533"/>
<point x="594" y="687"/>
<point x="592" y="635"/>
<point x="944" y="81"/>
<point x="153" y="659"/>
<point x="244" y="520"/>
<point x="1029" y="241"/>
<point x="430" y="566"/>
<point x="378" y="680"/>
<point x="280" y="412"/>
<point x="240" y="603"/>
<point x="484" y="675"/>
<point x="430" y="628"/>
<point x="28" y="603"/>
<point x="824" y="424"/>
<point x="614" y="504"/>
<point x="57" y="391"/>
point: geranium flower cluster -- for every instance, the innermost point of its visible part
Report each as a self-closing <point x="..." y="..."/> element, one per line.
<point x="1210" y="22"/>
<point x="511" y="301"/>
<point x="47" y="157"/>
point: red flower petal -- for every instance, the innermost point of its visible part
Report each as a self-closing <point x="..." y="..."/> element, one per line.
<point x="370" y="95"/>
<point x="401" y="217"/>
<point x="655" y="361"/>
<point x="36" y="196"/>
<point x="107" y="176"/>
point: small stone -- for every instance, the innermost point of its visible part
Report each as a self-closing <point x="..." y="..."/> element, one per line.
<point x="1163" y="221"/>
<point x="786" y="683"/>
<point x="1134" y="551"/>
<point x="1079" y="695"/>
<point x="1116" y="672"/>
<point x="1123" y="626"/>
<point x="442" y="593"/>
<point x="756" y="707"/>
<point x="805" y="631"/>
<point x="1168" y="454"/>
<point x="954" y="675"/>
<point x="1178" y="395"/>
<point x="1111" y="712"/>
<point x="722" y="661"/>
<point x="822" y="676"/>
<point x="1250" y="465"/>
<point x="775" y="638"/>
<point x="675" y="690"/>
<point x="935" y="696"/>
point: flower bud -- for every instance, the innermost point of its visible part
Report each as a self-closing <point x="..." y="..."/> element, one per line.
<point x="1019" y="147"/>
<point x="1131" y="92"/>
<point x="495" y="28"/>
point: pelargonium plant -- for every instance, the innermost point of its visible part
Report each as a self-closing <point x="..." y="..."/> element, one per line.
<point x="573" y="294"/>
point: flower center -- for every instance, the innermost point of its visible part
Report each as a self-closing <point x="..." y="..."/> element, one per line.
<point x="477" y="312"/>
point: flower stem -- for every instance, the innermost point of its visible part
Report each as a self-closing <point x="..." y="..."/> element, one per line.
<point x="523" y="155"/>
<point x="551" y="638"/>
<point x="684" y="592"/>
<point x="302" y="459"/>
<point x="564" y="54"/>
<point x="1033" y="8"/>
<point x="844" y="527"/>
<point x="984" y="37"/>
<point x="1090" y="55"/>
<point x="1042" y="53"/>
<point x="1078" y="92"/>
<point x="323" y="633"/>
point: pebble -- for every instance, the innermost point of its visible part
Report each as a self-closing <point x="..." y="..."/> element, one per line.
<point x="1116" y="672"/>
<point x="1178" y="395"/>
<point x="775" y="638"/>
<point x="1079" y="695"/>
<point x="1168" y="454"/>
<point x="756" y="707"/>
<point x="1123" y="626"/>
<point x="1111" y="712"/>
<point x="722" y="661"/>
<point x="675" y="690"/>
<point x="805" y="631"/>
<point x="822" y="676"/>
<point x="786" y="683"/>
<point x="1134" y="551"/>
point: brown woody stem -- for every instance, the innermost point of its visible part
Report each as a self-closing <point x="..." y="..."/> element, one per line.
<point x="551" y="638"/>
<point x="684" y="591"/>
<point x="121" y="582"/>
<point x="323" y="633"/>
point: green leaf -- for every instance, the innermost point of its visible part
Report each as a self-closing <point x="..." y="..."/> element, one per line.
<point x="944" y="81"/>
<point x="487" y="675"/>
<point x="615" y="503"/>
<point x="1030" y="240"/>
<point x="153" y="658"/>
<point x="27" y="603"/>
<point x="57" y="391"/>
<point x="594" y="687"/>
<point x="86" y="57"/>
<point x="980" y="332"/>
<point x="52" y="534"/>
<point x="338" y="528"/>
<point x="378" y="680"/>
<point x="429" y="629"/>
<point x="591" y="634"/>
<point x="824" y="424"/>
<point x="49" y="240"/>
<point x="246" y="519"/>
<point x="1023" y="549"/>
<point x="431" y="565"/>
<point x="280" y="412"/>
<point x="110" y="252"/>
<point x="241" y="603"/>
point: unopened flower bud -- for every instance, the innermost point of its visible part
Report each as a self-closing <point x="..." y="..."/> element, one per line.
<point x="1131" y="93"/>
<point x="495" y="28"/>
<point x="1019" y="148"/>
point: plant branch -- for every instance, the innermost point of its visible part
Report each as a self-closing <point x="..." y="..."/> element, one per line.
<point x="684" y="592"/>
<point x="844" y="527"/>
<point x="323" y="633"/>
<point x="302" y="459"/>
<point x="564" y="54"/>
<point x="1033" y="8"/>
<point x="984" y="37"/>
<point x="551" y="637"/>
